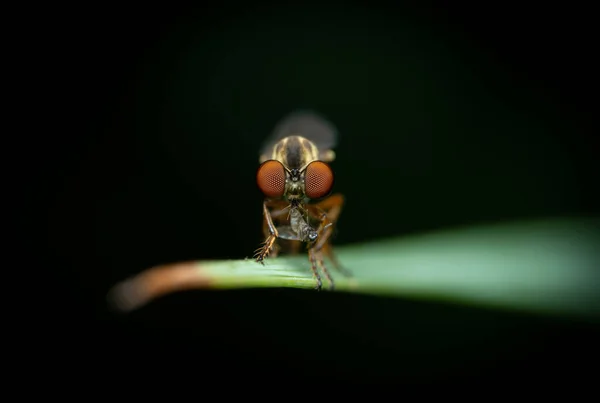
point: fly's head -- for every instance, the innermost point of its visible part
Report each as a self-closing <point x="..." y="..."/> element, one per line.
<point x="294" y="173"/>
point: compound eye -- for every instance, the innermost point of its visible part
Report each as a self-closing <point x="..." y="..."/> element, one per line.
<point x="318" y="180"/>
<point x="270" y="178"/>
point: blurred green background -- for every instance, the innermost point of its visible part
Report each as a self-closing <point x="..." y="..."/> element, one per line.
<point x="445" y="120"/>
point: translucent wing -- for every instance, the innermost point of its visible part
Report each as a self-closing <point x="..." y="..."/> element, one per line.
<point x="308" y="124"/>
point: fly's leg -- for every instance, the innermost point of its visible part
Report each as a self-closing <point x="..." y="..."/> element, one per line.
<point x="319" y="257"/>
<point x="328" y="212"/>
<point x="263" y="251"/>
<point x="275" y="249"/>
<point x="316" y="256"/>
<point x="313" y="266"/>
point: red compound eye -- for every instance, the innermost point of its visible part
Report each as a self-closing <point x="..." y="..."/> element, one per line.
<point x="270" y="178"/>
<point x="318" y="180"/>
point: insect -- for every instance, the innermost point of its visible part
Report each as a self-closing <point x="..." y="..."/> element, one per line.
<point x="296" y="179"/>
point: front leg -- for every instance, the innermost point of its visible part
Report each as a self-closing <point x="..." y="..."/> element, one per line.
<point x="262" y="252"/>
<point x="274" y="251"/>
<point x="328" y="212"/>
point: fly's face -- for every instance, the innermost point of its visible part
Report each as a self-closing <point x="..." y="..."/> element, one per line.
<point x="294" y="172"/>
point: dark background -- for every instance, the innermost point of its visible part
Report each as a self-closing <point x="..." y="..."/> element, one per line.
<point x="448" y="116"/>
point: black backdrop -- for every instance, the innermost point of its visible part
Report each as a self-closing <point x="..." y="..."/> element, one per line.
<point x="448" y="116"/>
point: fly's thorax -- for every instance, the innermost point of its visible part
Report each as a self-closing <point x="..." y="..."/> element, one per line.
<point x="295" y="152"/>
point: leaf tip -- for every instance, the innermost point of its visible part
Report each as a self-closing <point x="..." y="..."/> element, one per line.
<point x="150" y="284"/>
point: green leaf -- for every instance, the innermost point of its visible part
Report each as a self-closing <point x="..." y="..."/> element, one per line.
<point x="545" y="266"/>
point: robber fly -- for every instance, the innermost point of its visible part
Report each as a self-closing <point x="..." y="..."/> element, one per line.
<point x="295" y="177"/>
